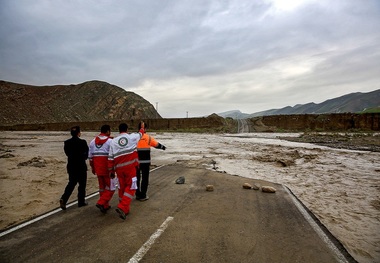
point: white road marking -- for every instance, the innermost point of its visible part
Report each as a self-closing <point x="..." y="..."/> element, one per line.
<point x="316" y="227"/>
<point x="41" y="217"/>
<point x="51" y="213"/>
<point x="148" y="244"/>
<point x="158" y="167"/>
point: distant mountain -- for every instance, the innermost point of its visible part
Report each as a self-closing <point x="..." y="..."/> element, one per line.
<point x="235" y="114"/>
<point x="353" y="102"/>
<point x="88" y="101"/>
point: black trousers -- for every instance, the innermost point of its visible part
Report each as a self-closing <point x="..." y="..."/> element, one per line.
<point x="75" y="178"/>
<point x="142" y="180"/>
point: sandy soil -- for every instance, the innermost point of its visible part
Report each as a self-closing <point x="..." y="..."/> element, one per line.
<point x="340" y="186"/>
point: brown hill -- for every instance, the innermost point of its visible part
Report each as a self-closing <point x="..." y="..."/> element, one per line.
<point x="89" y="101"/>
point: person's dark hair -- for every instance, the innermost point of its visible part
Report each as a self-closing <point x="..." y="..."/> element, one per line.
<point x="105" y="128"/>
<point x="145" y="125"/>
<point x="75" y="131"/>
<point x="123" y="127"/>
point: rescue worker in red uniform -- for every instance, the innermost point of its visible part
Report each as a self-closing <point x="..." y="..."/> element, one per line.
<point x="143" y="151"/>
<point x="123" y="160"/>
<point x="98" y="157"/>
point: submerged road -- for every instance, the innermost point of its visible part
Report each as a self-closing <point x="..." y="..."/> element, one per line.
<point x="181" y="223"/>
<point x="243" y="126"/>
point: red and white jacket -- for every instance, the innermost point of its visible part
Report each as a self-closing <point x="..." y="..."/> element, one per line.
<point x="123" y="152"/>
<point x="98" y="154"/>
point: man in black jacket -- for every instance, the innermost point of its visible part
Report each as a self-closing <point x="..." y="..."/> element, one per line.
<point x="76" y="150"/>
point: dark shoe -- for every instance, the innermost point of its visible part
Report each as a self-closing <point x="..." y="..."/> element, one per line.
<point x="62" y="204"/>
<point x="101" y="208"/>
<point x="82" y="204"/>
<point x="144" y="199"/>
<point x="121" y="213"/>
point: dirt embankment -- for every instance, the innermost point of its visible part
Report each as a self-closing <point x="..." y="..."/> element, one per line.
<point x="345" y="122"/>
<point x="212" y="123"/>
<point x="320" y="122"/>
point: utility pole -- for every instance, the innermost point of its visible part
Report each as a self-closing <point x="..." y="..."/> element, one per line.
<point x="187" y="114"/>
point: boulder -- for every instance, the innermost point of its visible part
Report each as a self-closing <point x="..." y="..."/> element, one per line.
<point x="247" y="186"/>
<point x="268" y="189"/>
<point x="180" y="180"/>
<point x="255" y="187"/>
<point x="209" y="188"/>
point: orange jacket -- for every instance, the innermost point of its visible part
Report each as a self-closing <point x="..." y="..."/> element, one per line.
<point x="146" y="142"/>
<point x="143" y="147"/>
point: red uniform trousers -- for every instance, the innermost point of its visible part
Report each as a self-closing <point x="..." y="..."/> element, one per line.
<point x="105" y="192"/>
<point x="128" y="185"/>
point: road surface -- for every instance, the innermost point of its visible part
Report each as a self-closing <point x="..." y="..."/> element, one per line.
<point x="243" y="126"/>
<point x="181" y="223"/>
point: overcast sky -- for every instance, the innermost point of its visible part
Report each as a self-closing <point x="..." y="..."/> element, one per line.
<point x="197" y="57"/>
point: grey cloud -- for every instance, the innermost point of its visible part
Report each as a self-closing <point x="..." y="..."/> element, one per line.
<point x="130" y="43"/>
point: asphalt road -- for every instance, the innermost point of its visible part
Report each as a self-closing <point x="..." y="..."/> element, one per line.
<point x="181" y="223"/>
<point x="243" y="126"/>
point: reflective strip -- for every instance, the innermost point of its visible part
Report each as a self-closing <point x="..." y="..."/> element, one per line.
<point x="125" y="152"/>
<point x="127" y="163"/>
<point x="144" y="161"/>
<point x="128" y="195"/>
<point x="143" y="149"/>
<point x="100" y="154"/>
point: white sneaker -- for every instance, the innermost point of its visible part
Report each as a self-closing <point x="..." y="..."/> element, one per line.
<point x="144" y="199"/>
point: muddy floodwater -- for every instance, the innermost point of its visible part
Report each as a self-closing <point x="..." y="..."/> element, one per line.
<point x="340" y="186"/>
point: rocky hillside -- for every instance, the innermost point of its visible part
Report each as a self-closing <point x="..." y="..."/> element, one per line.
<point x="352" y="103"/>
<point x="89" y="101"/>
